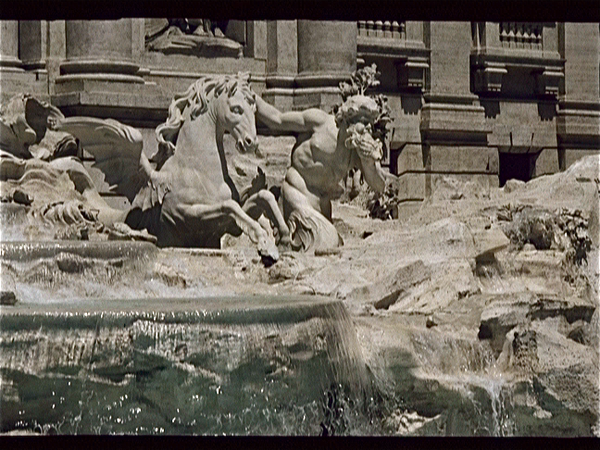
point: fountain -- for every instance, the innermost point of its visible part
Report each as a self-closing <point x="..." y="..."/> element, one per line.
<point x="218" y="314"/>
<point x="102" y="339"/>
<point x="182" y="366"/>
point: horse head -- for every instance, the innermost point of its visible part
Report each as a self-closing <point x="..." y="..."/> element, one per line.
<point x="236" y="111"/>
<point x="232" y="104"/>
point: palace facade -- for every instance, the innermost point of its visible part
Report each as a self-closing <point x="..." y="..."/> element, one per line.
<point x="484" y="100"/>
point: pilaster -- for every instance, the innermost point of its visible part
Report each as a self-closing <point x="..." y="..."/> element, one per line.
<point x="14" y="78"/>
<point x="453" y="127"/>
<point x="578" y="117"/>
<point x="307" y="60"/>
<point x="282" y="63"/>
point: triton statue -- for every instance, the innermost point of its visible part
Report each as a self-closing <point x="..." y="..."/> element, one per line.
<point x="327" y="147"/>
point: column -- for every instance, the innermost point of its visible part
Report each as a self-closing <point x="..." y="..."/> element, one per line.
<point x="99" y="50"/>
<point x="100" y="77"/>
<point x="453" y="127"/>
<point x="326" y="56"/>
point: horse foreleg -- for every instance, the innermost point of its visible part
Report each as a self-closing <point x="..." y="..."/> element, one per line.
<point x="266" y="247"/>
<point x="264" y="201"/>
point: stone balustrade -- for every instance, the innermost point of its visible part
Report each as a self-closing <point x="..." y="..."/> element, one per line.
<point x="382" y="29"/>
<point x="526" y="50"/>
<point x="521" y="35"/>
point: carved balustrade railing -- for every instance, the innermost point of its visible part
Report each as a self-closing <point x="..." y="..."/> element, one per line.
<point x="398" y="41"/>
<point x="382" y="29"/>
<point x="503" y="48"/>
<point x="521" y="35"/>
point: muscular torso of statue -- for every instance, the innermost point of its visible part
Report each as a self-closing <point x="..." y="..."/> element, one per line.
<point x="319" y="162"/>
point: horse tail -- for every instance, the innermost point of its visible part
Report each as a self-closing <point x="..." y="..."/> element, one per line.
<point x="310" y="230"/>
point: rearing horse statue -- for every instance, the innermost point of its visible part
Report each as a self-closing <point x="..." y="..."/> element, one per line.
<point x="184" y="194"/>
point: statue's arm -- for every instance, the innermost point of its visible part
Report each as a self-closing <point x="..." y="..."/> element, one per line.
<point x="372" y="172"/>
<point x="294" y="121"/>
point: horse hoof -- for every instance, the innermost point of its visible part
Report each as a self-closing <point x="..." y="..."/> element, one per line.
<point x="269" y="255"/>
<point x="285" y="244"/>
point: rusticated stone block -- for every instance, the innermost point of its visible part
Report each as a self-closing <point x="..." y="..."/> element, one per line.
<point x="574" y="121"/>
<point x="447" y="119"/>
<point x="547" y="162"/>
<point x="483" y="182"/>
<point x="410" y="158"/>
<point x="411" y="186"/>
<point x="463" y="159"/>
<point x="522" y="125"/>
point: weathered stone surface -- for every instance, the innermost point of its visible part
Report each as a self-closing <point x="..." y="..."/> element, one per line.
<point x="567" y="371"/>
<point x="502" y="316"/>
<point x="393" y="286"/>
<point x="490" y="241"/>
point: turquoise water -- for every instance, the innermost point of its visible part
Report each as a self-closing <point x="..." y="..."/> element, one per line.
<point x="96" y="345"/>
<point x="258" y="366"/>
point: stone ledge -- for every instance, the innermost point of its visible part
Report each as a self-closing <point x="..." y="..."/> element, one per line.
<point x="131" y="108"/>
<point x="534" y="59"/>
<point x="115" y="99"/>
<point x="453" y="122"/>
<point x="389" y="48"/>
<point x="579" y="126"/>
<point x="157" y="62"/>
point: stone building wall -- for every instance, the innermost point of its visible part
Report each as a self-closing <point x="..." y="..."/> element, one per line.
<point x="480" y="100"/>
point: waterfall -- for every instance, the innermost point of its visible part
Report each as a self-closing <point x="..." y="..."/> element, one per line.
<point x="468" y="367"/>
<point x="264" y="365"/>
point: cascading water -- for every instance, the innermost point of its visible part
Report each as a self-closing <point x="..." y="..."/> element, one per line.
<point x="201" y="366"/>
<point x="74" y="361"/>
<point x="469" y="368"/>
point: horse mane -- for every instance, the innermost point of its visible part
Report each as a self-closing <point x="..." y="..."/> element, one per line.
<point x="197" y="97"/>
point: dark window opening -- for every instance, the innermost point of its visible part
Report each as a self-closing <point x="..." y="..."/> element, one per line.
<point x="518" y="166"/>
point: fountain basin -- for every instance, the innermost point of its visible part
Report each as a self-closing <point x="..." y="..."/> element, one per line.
<point x="256" y="365"/>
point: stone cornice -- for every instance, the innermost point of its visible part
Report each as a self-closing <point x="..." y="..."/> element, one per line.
<point x="390" y="48"/>
<point x="517" y="58"/>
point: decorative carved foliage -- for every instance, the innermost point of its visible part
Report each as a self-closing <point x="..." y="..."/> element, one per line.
<point x="360" y="81"/>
